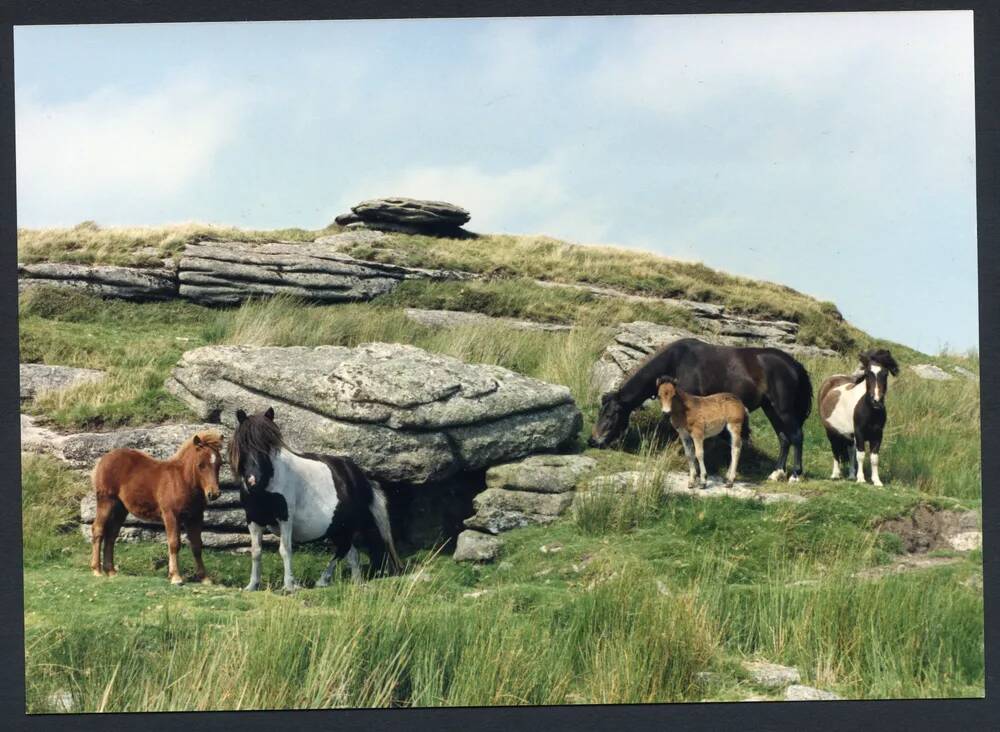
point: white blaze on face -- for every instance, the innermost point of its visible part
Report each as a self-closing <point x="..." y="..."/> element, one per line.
<point x="211" y="459"/>
<point x="875" y="368"/>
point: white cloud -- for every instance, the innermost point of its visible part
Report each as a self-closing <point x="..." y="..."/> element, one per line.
<point x="111" y="143"/>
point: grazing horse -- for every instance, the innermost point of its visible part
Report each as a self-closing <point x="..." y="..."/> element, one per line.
<point x="696" y="418"/>
<point x="304" y="497"/>
<point x="852" y="409"/>
<point x="169" y="491"/>
<point x="759" y="377"/>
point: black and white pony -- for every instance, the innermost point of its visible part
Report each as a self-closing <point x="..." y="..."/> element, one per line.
<point x="765" y="378"/>
<point x="303" y="497"/>
<point x="852" y="409"/>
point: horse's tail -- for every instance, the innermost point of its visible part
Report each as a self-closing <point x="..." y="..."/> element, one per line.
<point x="745" y="427"/>
<point x="380" y="513"/>
<point x="803" y="392"/>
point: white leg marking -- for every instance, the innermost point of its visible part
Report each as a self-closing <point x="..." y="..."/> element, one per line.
<point x="256" y="532"/>
<point x="778" y="474"/>
<point x="861" y="466"/>
<point x="875" y="478"/>
<point x="285" y="549"/>
<point x="355" y="564"/>
<point x="327" y="575"/>
<point x="835" y="475"/>
<point x="734" y="459"/>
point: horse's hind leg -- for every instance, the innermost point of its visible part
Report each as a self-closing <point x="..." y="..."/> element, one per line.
<point x="99" y="531"/>
<point x="112" y="526"/>
<point x="736" y="444"/>
<point x="778" y="424"/>
<point x="342" y="545"/>
<point x="354" y="562"/>
<point x="796" y="437"/>
<point x="688" y="444"/>
<point x="699" y="451"/>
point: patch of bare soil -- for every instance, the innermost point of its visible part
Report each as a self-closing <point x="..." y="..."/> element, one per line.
<point x="927" y="528"/>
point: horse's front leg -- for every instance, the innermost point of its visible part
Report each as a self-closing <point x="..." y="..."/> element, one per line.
<point x="689" y="453"/>
<point x="874" y="444"/>
<point x="194" y="526"/>
<point x="256" y="537"/>
<point x="699" y="451"/>
<point x="285" y="549"/>
<point x="859" y="451"/>
<point x="170" y="526"/>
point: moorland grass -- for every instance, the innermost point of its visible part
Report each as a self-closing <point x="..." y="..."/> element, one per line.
<point x="499" y="257"/>
<point x="645" y="590"/>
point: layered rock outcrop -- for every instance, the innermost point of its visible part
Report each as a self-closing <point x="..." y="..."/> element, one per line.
<point x="405" y="415"/>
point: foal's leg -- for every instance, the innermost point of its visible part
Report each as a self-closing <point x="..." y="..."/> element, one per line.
<point x="736" y="444"/>
<point x="688" y="444"/>
<point x="173" y="546"/>
<point x="285" y="550"/>
<point x="256" y="535"/>
<point x="699" y="451"/>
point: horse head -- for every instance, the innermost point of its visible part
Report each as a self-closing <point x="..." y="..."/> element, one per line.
<point x="207" y="460"/>
<point x="877" y="364"/>
<point x="611" y="421"/>
<point x="256" y="437"/>
<point x="666" y="391"/>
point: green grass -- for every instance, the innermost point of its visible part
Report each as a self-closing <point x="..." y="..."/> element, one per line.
<point x="500" y="257"/>
<point x="626" y="613"/>
<point x="644" y="592"/>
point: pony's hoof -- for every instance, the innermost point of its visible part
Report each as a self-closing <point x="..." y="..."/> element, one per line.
<point x="729" y="483"/>
<point x="205" y="581"/>
<point x="322" y="582"/>
<point x="877" y="483"/>
<point x="97" y="572"/>
<point x="111" y="572"/>
<point x="177" y="580"/>
<point x="777" y="475"/>
<point x="794" y="478"/>
<point x="290" y="588"/>
<point x="252" y="587"/>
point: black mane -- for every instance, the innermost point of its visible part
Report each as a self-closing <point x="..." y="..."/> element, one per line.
<point x="255" y="434"/>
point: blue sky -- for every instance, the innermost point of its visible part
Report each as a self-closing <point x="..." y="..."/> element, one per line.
<point x="834" y="153"/>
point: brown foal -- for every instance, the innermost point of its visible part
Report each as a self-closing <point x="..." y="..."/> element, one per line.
<point x="172" y="492"/>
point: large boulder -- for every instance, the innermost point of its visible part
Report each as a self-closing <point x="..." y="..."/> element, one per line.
<point x="499" y="510"/>
<point x="405" y="415"/>
<point x="410" y="215"/>
<point x="541" y="473"/>
<point x="129" y="283"/>
<point x="37" y="378"/>
<point x="220" y="273"/>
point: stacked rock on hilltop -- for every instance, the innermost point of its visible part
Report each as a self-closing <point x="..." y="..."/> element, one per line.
<point x="407" y="216"/>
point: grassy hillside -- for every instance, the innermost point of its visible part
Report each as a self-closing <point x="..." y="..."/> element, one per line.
<point x="642" y="593"/>
<point x="500" y="257"/>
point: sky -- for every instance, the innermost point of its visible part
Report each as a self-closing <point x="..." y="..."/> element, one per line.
<point x="834" y="153"/>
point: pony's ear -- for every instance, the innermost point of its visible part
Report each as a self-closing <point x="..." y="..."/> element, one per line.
<point x="269" y="413"/>
<point x="240" y="416"/>
<point x="890" y="363"/>
<point x="196" y="441"/>
<point x="661" y="380"/>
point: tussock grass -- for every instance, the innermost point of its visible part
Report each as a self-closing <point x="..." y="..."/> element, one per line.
<point x="501" y="256"/>
<point x="133" y="246"/>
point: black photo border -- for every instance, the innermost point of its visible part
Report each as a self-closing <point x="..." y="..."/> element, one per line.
<point x="965" y="714"/>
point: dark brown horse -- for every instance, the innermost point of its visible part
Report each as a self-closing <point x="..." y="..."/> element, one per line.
<point x="765" y="378"/>
<point x="171" y="492"/>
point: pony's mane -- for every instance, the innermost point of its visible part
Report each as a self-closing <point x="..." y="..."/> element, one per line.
<point x="211" y="438"/>
<point x="883" y="358"/>
<point x="256" y="433"/>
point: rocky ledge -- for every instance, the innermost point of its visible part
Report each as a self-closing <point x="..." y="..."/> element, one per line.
<point x="37" y="378"/>
<point x="405" y="415"/>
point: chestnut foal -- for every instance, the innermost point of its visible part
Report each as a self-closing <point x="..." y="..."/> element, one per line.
<point x="696" y="417"/>
<point x="171" y="492"/>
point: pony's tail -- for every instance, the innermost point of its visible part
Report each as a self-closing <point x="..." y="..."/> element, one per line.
<point x="803" y="393"/>
<point x="745" y="428"/>
<point x="380" y="513"/>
